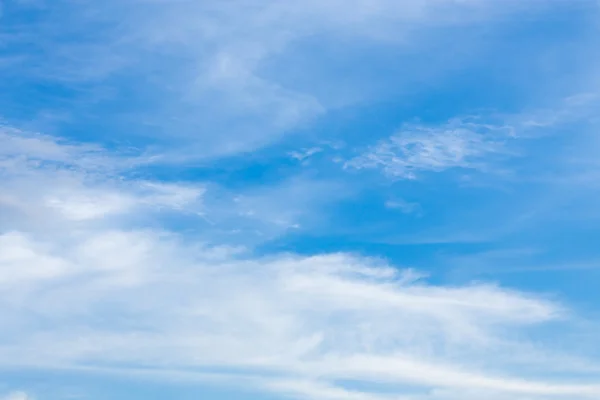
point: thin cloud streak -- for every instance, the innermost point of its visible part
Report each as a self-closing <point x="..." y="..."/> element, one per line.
<point x="418" y="149"/>
<point x="203" y="64"/>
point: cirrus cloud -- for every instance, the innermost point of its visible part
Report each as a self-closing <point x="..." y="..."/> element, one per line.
<point x="139" y="298"/>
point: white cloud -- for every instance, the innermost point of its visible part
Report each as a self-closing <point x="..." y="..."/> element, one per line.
<point x="82" y="294"/>
<point x="17" y="396"/>
<point x="290" y="204"/>
<point x="85" y="203"/>
<point x="81" y="289"/>
<point x="20" y="147"/>
<point x="404" y="206"/>
<point x="417" y="149"/>
<point x="75" y="185"/>
<point x="207" y="64"/>
<point x="20" y="259"/>
<point x="305" y="154"/>
<point x="43" y="176"/>
<point x="480" y="143"/>
<point x="318" y="390"/>
<point x="156" y="300"/>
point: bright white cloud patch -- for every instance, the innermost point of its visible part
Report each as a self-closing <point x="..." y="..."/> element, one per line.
<point x="153" y="301"/>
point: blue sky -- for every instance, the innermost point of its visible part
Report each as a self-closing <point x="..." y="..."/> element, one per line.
<point x="325" y="200"/>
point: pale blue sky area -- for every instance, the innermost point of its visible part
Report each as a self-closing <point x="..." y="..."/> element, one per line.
<point x="319" y="199"/>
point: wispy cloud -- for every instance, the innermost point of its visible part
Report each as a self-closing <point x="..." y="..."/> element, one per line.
<point x="128" y="298"/>
<point x="304" y="154"/>
<point x="319" y="318"/>
<point x="113" y="262"/>
<point x="31" y="149"/>
<point x="484" y="142"/>
<point x="416" y="149"/>
<point x="404" y="206"/>
<point x="47" y="179"/>
<point x="17" y="396"/>
<point x="189" y="65"/>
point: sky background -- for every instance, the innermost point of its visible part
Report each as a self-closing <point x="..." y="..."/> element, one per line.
<point x="318" y="199"/>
